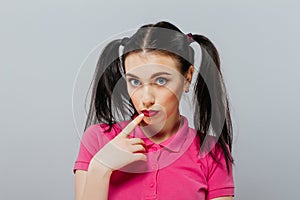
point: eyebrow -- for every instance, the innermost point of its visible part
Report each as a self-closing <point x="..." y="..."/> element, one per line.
<point x="154" y="75"/>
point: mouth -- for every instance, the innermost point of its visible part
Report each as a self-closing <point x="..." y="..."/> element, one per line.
<point x="149" y="113"/>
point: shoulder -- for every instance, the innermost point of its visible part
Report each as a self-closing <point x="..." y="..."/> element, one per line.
<point x="210" y="153"/>
<point x="97" y="135"/>
<point x="98" y="131"/>
<point x="213" y="163"/>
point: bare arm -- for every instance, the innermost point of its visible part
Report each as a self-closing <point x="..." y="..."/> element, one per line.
<point x="92" y="184"/>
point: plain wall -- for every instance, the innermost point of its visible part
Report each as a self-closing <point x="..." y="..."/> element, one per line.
<point x="44" y="43"/>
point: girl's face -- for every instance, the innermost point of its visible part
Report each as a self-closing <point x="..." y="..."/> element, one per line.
<point x="155" y="86"/>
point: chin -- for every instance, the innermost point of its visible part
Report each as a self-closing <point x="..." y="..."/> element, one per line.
<point x="148" y="121"/>
<point x="155" y="122"/>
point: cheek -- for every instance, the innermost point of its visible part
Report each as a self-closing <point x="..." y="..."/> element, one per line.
<point x="168" y="98"/>
<point x="174" y="92"/>
<point x="131" y="91"/>
<point x="134" y="96"/>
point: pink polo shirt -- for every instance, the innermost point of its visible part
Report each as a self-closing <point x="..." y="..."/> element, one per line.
<point x="174" y="169"/>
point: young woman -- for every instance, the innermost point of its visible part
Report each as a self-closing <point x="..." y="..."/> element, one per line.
<point x="136" y="144"/>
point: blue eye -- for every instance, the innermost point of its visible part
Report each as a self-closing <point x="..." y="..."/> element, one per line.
<point x="134" y="82"/>
<point x="161" y="81"/>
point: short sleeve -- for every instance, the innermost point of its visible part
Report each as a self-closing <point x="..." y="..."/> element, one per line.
<point x="93" y="139"/>
<point x="220" y="182"/>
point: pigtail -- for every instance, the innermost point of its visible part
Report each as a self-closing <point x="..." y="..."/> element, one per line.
<point x="109" y="101"/>
<point x="211" y="108"/>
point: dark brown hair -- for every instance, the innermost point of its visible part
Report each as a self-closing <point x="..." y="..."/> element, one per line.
<point x="111" y="103"/>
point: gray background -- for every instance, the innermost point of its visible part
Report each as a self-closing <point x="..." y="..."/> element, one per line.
<point x="43" y="43"/>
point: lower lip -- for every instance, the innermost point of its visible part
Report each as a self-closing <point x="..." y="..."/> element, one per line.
<point x="150" y="113"/>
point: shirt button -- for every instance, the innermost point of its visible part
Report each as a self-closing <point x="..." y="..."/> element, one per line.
<point x="154" y="148"/>
<point x="151" y="184"/>
<point x="154" y="166"/>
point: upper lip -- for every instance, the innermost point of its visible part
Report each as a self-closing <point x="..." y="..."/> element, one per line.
<point x="147" y="112"/>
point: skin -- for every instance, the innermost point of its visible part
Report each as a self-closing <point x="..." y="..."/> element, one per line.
<point x="147" y="90"/>
<point x="154" y="82"/>
<point x="94" y="183"/>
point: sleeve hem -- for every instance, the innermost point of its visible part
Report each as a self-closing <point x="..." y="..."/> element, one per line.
<point x="80" y="165"/>
<point x="229" y="191"/>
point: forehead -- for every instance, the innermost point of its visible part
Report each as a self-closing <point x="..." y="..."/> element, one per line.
<point x="150" y="62"/>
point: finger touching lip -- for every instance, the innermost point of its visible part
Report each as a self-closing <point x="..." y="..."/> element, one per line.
<point x="133" y="124"/>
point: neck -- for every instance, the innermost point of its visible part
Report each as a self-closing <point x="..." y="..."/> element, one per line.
<point x="158" y="135"/>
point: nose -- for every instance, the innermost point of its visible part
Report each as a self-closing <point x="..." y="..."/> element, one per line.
<point x="148" y="98"/>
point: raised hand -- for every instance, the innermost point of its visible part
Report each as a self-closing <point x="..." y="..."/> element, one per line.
<point x="122" y="150"/>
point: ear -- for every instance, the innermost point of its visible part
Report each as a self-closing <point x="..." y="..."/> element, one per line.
<point x="188" y="78"/>
<point x="189" y="74"/>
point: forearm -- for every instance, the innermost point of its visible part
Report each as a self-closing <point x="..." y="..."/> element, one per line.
<point x="97" y="182"/>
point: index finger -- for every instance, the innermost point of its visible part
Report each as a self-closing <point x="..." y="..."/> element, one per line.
<point x="127" y="130"/>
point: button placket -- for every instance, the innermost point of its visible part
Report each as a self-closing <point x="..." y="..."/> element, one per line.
<point x="152" y="182"/>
